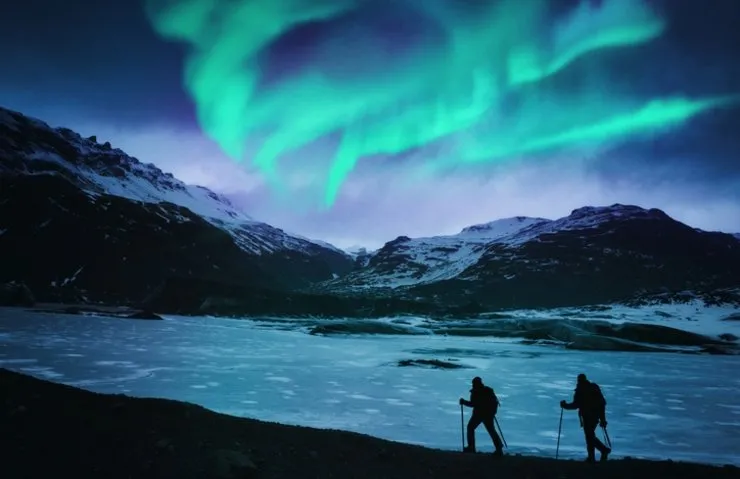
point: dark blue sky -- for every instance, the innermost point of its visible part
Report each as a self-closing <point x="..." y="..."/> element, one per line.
<point x="102" y="57"/>
<point x="98" y="62"/>
<point x="98" y="58"/>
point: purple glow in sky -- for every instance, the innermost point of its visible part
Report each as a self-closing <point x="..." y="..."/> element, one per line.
<point x="379" y="204"/>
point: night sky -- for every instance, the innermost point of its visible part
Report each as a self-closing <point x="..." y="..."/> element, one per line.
<point x="355" y="121"/>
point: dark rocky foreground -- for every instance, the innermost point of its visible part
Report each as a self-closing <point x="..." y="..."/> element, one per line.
<point x="51" y="430"/>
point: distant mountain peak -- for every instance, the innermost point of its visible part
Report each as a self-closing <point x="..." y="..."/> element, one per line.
<point x="617" y="210"/>
<point x="355" y="250"/>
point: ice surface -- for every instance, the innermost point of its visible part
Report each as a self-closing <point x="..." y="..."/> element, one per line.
<point x="693" y="316"/>
<point x="683" y="407"/>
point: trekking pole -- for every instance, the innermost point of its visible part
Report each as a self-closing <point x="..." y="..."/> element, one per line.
<point x="462" y="427"/>
<point x="606" y="437"/>
<point x="503" y="439"/>
<point x="560" y="428"/>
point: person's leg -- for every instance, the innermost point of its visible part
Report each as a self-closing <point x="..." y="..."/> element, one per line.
<point x="497" y="443"/>
<point x="589" y="430"/>
<point x="604" y="450"/>
<point x="472" y="425"/>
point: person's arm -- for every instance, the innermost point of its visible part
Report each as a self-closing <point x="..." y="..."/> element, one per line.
<point x="572" y="405"/>
<point x="467" y="403"/>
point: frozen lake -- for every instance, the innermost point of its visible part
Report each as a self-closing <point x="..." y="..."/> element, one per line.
<point x="661" y="405"/>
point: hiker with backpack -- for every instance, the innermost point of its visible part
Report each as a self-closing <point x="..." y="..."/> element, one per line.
<point x="484" y="402"/>
<point x="591" y="406"/>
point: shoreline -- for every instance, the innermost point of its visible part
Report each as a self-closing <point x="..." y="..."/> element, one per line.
<point x="51" y="428"/>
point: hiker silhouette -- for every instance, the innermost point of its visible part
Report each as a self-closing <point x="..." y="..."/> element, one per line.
<point x="591" y="406"/>
<point x="484" y="402"/>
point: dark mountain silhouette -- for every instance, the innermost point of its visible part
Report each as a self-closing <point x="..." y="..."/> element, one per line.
<point x="84" y="221"/>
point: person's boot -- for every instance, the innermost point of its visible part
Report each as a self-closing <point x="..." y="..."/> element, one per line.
<point x="498" y="453"/>
<point x="604" y="454"/>
<point x="469" y="449"/>
<point x="590" y="459"/>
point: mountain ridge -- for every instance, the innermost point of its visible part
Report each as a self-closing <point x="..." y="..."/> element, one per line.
<point x="102" y="169"/>
<point x="84" y="220"/>
<point x="597" y="255"/>
<point x="416" y="255"/>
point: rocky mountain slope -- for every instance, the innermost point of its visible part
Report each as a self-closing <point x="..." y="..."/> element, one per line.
<point x="83" y="220"/>
<point x="593" y="255"/>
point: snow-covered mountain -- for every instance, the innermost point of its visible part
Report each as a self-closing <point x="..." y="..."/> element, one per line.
<point x="595" y="254"/>
<point x="70" y="190"/>
<point x="99" y="169"/>
<point x="406" y="261"/>
<point x="80" y="219"/>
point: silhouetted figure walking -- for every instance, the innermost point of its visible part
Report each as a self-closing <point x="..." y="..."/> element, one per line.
<point x="591" y="406"/>
<point x="484" y="402"/>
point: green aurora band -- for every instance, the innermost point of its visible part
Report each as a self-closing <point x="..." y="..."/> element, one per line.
<point x="451" y="90"/>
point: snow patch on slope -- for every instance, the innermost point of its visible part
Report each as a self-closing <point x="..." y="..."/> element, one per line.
<point x="497" y="229"/>
<point x="695" y="316"/>
<point x="146" y="183"/>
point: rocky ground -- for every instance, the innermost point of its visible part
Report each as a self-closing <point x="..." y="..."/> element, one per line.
<point x="54" y="430"/>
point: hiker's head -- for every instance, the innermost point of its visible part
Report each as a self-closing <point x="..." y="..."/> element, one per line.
<point x="582" y="379"/>
<point x="477" y="382"/>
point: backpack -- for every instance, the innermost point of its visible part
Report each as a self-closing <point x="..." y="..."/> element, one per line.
<point x="493" y="400"/>
<point x="596" y="399"/>
<point x="597" y="395"/>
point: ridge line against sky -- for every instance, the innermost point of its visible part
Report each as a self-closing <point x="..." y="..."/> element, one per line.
<point x="370" y="126"/>
<point x="375" y="245"/>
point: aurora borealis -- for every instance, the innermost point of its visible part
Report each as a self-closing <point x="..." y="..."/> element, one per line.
<point x="383" y="118"/>
<point x="381" y="78"/>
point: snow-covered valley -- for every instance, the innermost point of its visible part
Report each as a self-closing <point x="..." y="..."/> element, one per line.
<point x="661" y="405"/>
